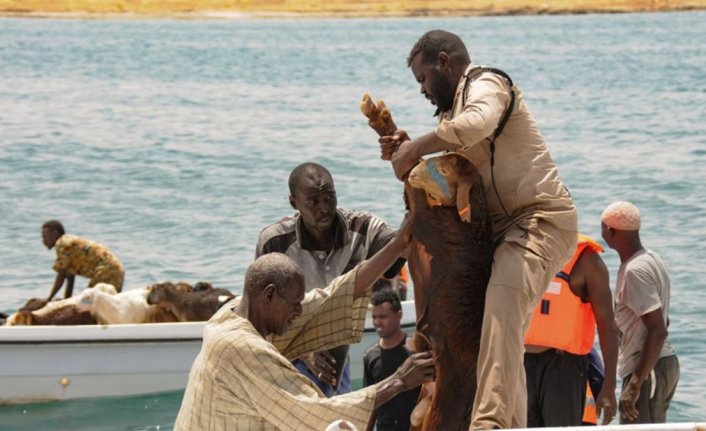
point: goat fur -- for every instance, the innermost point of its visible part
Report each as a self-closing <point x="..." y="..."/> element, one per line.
<point x="60" y="312"/>
<point x="450" y="262"/>
<point x="193" y="306"/>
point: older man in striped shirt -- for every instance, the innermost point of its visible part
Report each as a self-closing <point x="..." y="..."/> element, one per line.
<point x="243" y="378"/>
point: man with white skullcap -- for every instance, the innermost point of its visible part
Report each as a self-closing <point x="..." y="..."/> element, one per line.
<point x="647" y="363"/>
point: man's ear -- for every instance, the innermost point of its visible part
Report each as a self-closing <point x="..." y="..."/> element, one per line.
<point x="268" y="293"/>
<point x="443" y="60"/>
<point x="293" y="203"/>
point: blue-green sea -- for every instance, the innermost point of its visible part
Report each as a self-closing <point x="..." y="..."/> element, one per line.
<point x="171" y="141"/>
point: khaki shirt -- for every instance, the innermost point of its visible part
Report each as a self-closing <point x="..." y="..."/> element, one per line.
<point x="525" y="174"/>
<point x="241" y="381"/>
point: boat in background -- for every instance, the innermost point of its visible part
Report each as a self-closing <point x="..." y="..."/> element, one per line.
<point x="50" y="363"/>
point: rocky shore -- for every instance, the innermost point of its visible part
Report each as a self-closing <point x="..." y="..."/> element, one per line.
<point x="331" y="8"/>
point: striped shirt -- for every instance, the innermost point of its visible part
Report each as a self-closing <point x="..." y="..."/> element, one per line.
<point x="359" y="236"/>
<point x="241" y="381"/>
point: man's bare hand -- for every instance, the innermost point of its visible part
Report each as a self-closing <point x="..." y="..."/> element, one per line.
<point x="389" y="144"/>
<point x="628" y="399"/>
<point x="322" y="365"/>
<point x="417" y="369"/>
<point x="606" y="404"/>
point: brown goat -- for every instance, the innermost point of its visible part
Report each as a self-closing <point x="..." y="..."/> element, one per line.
<point x="66" y="315"/>
<point x="450" y="262"/>
<point x="188" y="306"/>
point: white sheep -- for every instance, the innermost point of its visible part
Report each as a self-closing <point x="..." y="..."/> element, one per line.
<point x="60" y="312"/>
<point x="129" y="306"/>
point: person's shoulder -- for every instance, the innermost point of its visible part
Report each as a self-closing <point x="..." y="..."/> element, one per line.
<point x="649" y="253"/>
<point x="487" y="75"/>
<point x="227" y="330"/>
<point x="360" y="219"/>
<point x="68" y="240"/>
<point x="372" y="350"/>
<point x="590" y="259"/>
<point x="641" y="261"/>
<point x="283" y="226"/>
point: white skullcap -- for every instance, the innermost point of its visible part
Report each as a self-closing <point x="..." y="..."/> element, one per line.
<point x="621" y="216"/>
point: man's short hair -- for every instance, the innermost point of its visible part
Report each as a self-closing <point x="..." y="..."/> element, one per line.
<point x="387" y="295"/>
<point x="54" y="225"/>
<point x="272" y="268"/>
<point x="435" y="41"/>
<point x="295" y="177"/>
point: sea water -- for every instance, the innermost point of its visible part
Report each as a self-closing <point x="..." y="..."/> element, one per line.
<point x="171" y="141"/>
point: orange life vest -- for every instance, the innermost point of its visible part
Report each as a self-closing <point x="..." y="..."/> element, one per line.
<point x="404" y="276"/>
<point x="590" y="414"/>
<point x="561" y="320"/>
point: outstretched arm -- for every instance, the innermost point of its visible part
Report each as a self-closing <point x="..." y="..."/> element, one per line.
<point x="371" y="269"/>
<point x="415" y="370"/>
<point x="58" y="281"/>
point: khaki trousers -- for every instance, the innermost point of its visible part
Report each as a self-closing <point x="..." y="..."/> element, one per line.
<point x="524" y="264"/>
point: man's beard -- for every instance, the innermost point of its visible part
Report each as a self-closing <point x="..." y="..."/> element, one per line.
<point x="445" y="99"/>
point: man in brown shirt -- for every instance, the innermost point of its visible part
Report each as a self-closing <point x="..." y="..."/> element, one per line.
<point x="533" y="217"/>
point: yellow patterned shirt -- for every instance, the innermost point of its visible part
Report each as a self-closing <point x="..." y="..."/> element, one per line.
<point x="242" y="381"/>
<point x="78" y="256"/>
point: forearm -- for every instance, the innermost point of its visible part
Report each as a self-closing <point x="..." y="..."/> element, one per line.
<point x="387" y="389"/>
<point x="373" y="268"/>
<point x="608" y="339"/>
<point x="650" y="354"/>
<point x="431" y="143"/>
<point x="58" y="281"/>
<point x="69" y="286"/>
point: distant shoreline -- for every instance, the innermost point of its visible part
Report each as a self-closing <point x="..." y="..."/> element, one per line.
<point x="294" y="9"/>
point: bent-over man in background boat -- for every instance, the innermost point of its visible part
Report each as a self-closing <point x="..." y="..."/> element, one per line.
<point x="79" y="256"/>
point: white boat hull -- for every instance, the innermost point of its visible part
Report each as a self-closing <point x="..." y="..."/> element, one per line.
<point x="47" y="363"/>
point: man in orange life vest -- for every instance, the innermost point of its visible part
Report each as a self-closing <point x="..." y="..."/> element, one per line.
<point x="561" y="335"/>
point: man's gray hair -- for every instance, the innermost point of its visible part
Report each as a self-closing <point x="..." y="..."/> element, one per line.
<point x="272" y="268"/>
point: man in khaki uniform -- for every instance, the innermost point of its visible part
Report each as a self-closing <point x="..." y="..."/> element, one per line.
<point x="534" y="219"/>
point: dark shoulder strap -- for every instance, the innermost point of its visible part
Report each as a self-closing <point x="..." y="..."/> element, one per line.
<point x="510" y="106"/>
<point x="497" y="132"/>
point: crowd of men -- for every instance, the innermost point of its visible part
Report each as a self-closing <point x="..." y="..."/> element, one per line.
<point x="276" y="358"/>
